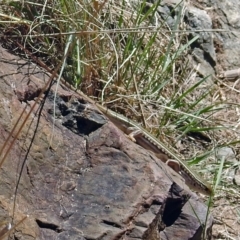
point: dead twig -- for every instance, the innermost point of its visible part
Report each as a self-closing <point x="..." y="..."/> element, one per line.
<point x="230" y="74"/>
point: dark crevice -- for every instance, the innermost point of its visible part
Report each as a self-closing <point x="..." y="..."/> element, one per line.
<point x="113" y="224"/>
<point x="87" y="125"/>
<point x="48" y="225"/>
<point x="199" y="136"/>
<point x="79" y="119"/>
<point x="174" y="203"/>
<point x="30" y="176"/>
<point x="206" y="56"/>
<point x="148" y="205"/>
<point x="102" y="236"/>
<point x="209" y="59"/>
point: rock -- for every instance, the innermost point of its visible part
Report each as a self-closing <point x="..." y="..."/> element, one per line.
<point x="203" y="51"/>
<point x="84" y="179"/>
<point x="198" y="19"/>
<point x="214" y="51"/>
<point x="228" y="155"/>
<point x="228" y="18"/>
<point x="203" y="54"/>
<point x="225" y="15"/>
<point x="236" y="179"/>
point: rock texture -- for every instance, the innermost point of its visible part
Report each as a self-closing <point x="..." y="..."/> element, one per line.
<point x="217" y="49"/>
<point x="77" y="176"/>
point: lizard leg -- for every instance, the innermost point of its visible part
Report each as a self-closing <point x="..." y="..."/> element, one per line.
<point x="133" y="132"/>
<point x="174" y="165"/>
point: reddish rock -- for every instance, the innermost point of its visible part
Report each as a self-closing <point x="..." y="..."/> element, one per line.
<point x="78" y="176"/>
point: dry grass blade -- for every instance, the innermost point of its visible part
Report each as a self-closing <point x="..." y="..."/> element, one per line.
<point x="12" y="131"/>
<point x="7" y="230"/>
<point x="53" y="75"/>
<point x="25" y="120"/>
<point x="231" y="74"/>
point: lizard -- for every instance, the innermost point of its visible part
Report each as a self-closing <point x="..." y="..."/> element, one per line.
<point x="146" y="140"/>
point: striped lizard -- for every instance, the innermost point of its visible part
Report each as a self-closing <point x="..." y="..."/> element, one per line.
<point x="143" y="138"/>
